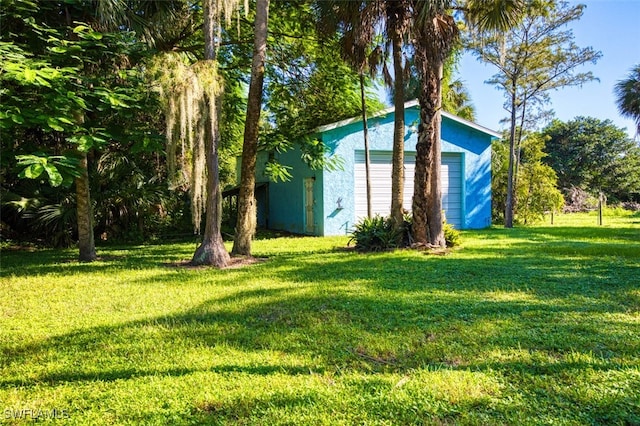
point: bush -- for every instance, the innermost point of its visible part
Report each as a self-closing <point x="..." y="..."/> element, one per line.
<point x="579" y="200"/>
<point x="378" y="234"/>
<point x="452" y="236"/>
<point x="375" y="234"/>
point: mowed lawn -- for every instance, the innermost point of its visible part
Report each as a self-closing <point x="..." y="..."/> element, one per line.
<point x="537" y="325"/>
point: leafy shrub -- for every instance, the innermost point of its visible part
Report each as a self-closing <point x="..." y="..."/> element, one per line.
<point x="406" y="230"/>
<point x="378" y="234"/>
<point x="452" y="236"/>
<point x="613" y="211"/>
<point x="375" y="234"/>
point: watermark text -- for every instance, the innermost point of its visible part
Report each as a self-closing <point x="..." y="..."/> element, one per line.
<point x="35" y="414"/>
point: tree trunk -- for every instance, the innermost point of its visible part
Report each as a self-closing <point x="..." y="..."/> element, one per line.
<point x="435" y="218"/>
<point x="246" y="224"/>
<point x="397" y="167"/>
<point x="508" y="211"/>
<point x="427" y="196"/>
<point x="518" y="149"/>
<point x="365" y="131"/>
<point x="86" y="242"/>
<point x="211" y="251"/>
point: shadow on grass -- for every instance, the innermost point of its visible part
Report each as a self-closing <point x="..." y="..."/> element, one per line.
<point x="549" y="307"/>
<point x="22" y="263"/>
<point x="51" y="261"/>
<point x="337" y="332"/>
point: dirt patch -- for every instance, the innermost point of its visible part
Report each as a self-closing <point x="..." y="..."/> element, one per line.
<point x="235" y="263"/>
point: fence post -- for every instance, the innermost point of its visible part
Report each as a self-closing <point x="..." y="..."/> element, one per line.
<point x="600" y="209"/>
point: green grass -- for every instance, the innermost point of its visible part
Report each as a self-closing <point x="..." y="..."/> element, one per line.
<point x="536" y="325"/>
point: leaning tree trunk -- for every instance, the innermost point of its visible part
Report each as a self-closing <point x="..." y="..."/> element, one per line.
<point x="211" y="251"/>
<point x="397" y="161"/>
<point x="86" y="242"/>
<point x="510" y="201"/>
<point x="246" y="224"/>
<point x="365" y="131"/>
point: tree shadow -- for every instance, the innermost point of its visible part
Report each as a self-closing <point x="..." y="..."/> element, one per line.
<point x="391" y="313"/>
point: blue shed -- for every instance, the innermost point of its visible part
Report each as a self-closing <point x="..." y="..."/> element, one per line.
<point x="330" y="202"/>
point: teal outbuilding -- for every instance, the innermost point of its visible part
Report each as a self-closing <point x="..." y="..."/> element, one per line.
<point x="330" y="202"/>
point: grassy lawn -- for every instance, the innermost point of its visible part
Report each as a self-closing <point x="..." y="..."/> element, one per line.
<point x="537" y="325"/>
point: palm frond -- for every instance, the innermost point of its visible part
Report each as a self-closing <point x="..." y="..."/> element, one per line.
<point x="494" y="15"/>
<point x="627" y="93"/>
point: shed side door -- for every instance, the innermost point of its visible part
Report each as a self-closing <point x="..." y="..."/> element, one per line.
<point x="309" y="227"/>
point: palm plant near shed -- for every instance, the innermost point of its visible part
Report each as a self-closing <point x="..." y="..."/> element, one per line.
<point x="430" y="26"/>
<point x="361" y="23"/>
<point x="436" y="33"/>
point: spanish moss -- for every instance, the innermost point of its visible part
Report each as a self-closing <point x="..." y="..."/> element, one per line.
<point x="184" y="90"/>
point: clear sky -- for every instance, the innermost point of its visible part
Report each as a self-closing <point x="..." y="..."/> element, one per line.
<point x="609" y="26"/>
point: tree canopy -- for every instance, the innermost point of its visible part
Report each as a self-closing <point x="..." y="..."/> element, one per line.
<point x="594" y="155"/>
<point x="533" y="58"/>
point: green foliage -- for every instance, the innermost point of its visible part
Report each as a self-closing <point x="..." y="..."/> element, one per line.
<point x="536" y="190"/>
<point x="68" y="89"/>
<point x="277" y="172"/>
<point x="379" y="234"/>
<point x="452" y="236"/>
<point x="628" y="96"/>
<point x="308" y="85"/>
<point x="60" y="170"/>
<point x="375" y="234"/>
<point x="594" y="155"/>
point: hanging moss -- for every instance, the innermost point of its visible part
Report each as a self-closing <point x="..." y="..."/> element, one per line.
<point x="184" y="91"/>
<point x="190" y="94"/>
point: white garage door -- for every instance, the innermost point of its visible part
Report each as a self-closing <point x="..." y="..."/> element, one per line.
<point x="381" y="184"/>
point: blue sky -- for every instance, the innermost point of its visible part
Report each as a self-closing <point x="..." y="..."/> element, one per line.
<point x="609" y="26"/>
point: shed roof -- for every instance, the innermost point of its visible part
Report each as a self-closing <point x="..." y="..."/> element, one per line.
<point x="409" y="104"/>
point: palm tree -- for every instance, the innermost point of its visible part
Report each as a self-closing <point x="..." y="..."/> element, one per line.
<point x="355" y="45"/>
<point x="436" y="33"/>
<point x="627" y="92"/>
<point x="361" y="22"/>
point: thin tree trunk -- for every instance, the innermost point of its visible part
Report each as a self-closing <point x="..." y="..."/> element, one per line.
<point x="518" y="151"/>
<point x="365" y="130"/>
<point x="211" y="251"/>
<point x="86" y="242"/>
<point x="508" y="212"/>
<point x="246" y="224"/>
<point x="397" y="167"/>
